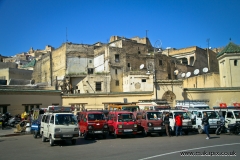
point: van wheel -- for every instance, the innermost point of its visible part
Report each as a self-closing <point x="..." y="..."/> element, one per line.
<point x="85" y="135"/>
<point x="43" y="138"/>
<point x="74" y="141"/>
<point x="51" y="141"/>
<point x="35" y="134"/>
<point x="200" y="130"/>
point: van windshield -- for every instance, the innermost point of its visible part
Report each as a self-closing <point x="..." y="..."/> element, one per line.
<point x="212" y="114"/>
<point x="184" y="114"/>
<point x="125" y="117"/>
<point x="93" y="117"/>
<point x="65" y="119"/>
<point x="154" y="115"/>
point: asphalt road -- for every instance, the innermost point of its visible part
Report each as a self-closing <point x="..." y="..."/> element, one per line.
<point x="154" y="147"/>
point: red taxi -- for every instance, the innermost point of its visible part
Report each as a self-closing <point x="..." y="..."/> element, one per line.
<point x="92" y="123"/>
<point x="150" y="121"/>
<point x="122" y="123"/>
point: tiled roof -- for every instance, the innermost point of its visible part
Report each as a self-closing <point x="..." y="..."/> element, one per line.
<point x="230" y="48"/>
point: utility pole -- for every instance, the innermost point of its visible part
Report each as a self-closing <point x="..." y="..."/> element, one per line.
<point x="208" y="53"/>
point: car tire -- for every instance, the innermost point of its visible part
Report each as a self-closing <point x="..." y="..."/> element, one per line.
<point x="43" y="138"/>
<point x="51" y="141"/>
<point x="200" y="130"/>
<point x="74" y="141"/>
<point x="35" y="134"/>
<point x="85" y="135"/>
<point x="218" y="131"/>
<point x="104" y="136"/>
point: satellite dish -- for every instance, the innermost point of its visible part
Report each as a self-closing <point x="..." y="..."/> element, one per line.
<point x="205" y="70"/>
<point x="175" y="72"/>
<point x="196" y="72"/>
<point x="141" y="66"/>
<point x="183" y="75"/>
<point x="188" y="74"/>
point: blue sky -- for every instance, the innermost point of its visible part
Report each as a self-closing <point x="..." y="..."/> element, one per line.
<point x="176" y="23"/>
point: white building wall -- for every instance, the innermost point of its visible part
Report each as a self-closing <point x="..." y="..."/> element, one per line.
<point x="99" y="63"/>
<point x="133" y="83"/>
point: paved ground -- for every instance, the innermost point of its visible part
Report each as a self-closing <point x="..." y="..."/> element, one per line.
<point x="153" y="147"/>
<point x="8" y="131"/>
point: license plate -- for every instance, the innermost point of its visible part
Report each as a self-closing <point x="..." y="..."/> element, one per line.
<point x="97" y="131"/>
<point x="128" y="130"/>
<point x="157" y="128"/>
<point x="213" y="126"/>
<point x="67" y="135"/>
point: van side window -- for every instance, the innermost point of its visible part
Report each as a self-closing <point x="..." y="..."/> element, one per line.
<point x="229" y="115"/>
<point x="52" y="119"/>
<point x="47" y="119"/>
<point x="199" y="115"/>
<point x="170" y="115"/>
<point x="43" y="118"/>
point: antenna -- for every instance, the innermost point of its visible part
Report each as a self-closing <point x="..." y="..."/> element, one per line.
<point x="66" y="35"/>
<point x="175" y="72"/>
<point x="205" y="69"/>
<point x="188" y="74"/>
<point x="141" y="66"/>
<point x="183" y="75"/>
<point x="196" y="72"/>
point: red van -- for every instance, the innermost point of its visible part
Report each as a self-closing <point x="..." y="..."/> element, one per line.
<point x="150" y="121"/>
<point x="122" y="123"/>
<point x="92" y="123"/>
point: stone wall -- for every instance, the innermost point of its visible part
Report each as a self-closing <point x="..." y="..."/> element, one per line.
<point x="8" y="65"/>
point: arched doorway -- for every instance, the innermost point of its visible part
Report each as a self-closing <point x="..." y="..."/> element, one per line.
<point x="169" y="96"/>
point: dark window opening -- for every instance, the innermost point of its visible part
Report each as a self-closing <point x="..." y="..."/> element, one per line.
<point x="169" y="76"/>
<point x="139" y="52"/>
<point x="129" y="65"/>
<point x="98" y="86"/>
<point x="90" y="61"/>
<point x="117" y="82"/>
<point x="117" y="58"/>
<point x="144" y="80"/>
<point x="90" y="70"/>
<point x="160" y="62"/>
<point x="116" y="72"/>
<point x="235" y="62"/>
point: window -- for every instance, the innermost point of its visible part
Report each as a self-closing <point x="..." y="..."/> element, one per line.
<point x="117" y="58"/>
<point x="117" y="82"/>
<point x="90" y="61"/>
<point x="235" y="62"/>
<point x="143" y="80"/>
<point x="26" y="109"/>
<point x="129" y="65"/>
<point x="90" y="70"/>
<point x="115" y="71"/>
<point x="139" y="52"/>
<point x="47" y="119"/>
<point x="169" y="76"/>
<point x="229" y="115"/>
<point x="160" y="62"/>
<point x="98" y="86"/>
<point x="52" y="120"/>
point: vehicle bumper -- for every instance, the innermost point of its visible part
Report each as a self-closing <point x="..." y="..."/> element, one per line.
<point x="126" y="131"/>
<point x="97" y="132"/>
<point x="66" y="136"/>
<point x="155" y="129"/>
<point x="187" y="128"/>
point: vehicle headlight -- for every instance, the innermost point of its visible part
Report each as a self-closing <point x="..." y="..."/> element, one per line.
<point x="57" y="130"/>
<point x="90" y="127"/>
<point x="135" y="125"/>
<point x="149" y="124"/>
<point x="105" y="126"/>
<point x="76" y="129"/>
<point x="120" y="126"/>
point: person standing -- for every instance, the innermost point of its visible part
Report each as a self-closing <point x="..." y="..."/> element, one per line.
<point x="205" y="124"/>
<point x="166" y="123"/>
<point x="178" y="122"/>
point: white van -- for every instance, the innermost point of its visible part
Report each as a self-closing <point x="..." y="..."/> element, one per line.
<point x="197" y="116"/>
<point x="192" y="104"/>
<point x="58" y="123"/>
<point x="187" y="123"/>
<point x="230" y="114"/>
